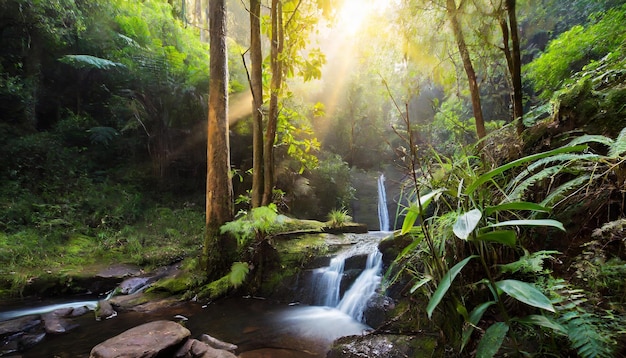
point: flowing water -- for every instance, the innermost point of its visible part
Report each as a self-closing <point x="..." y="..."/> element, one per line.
<point x="383" y="212"/>
<point x="260" y="328"/>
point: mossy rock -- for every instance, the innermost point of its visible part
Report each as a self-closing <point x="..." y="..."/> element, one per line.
<point x="174" y="285"/>
<point x="384" y="345"/>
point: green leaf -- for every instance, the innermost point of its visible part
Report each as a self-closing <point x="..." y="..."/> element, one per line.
<point x="506" y="237"/>
<point x="526" y="293"/>
<point x="421" y="283"/>
<point x="238" y="273"/>
<point x="474" y="316"/>
<point x="414" y="210"/>
<point x="543" y="321"/>
<point x="445" y="284"/>
<point x="528" y="222"/>
<point x="89" y="62"/>
<point x="619" y="146"/>
<point x="492" y="340"/>
<point x="518" y="205"/>
<point x="466" y="223"/>
<point x="501" y="169"/>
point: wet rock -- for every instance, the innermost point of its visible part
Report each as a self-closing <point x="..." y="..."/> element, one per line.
<point x="145" y="341"/>
<point x="356" y="262"/>
<point x="388" y="346"/>
<point x="134" y="284"/>
<point x="9" y="347"/>
<point x="17" y="325"/>
<point x="393" y="245"/>
<point x="55" y="323"/>
<point x="105" y="310"/>
<point x="196" y="349"/>
<point x="217" y="344"/>
<point x="378" y="310"/>
<point x="29" y="340"/>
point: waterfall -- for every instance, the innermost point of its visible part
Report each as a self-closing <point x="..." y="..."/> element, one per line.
<point x="327" y="280"/>
<point x="383" y="213"/>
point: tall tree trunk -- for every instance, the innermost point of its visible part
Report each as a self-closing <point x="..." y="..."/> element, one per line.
<point x="452" y="12"/>
<point x="219" y="190"/>
<point x="277" y="42"/>
<point x="516" y="67"/>
<point x="256" y="60"/>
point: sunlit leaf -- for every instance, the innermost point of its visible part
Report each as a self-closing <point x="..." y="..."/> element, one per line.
<point x="492" y="340"/>
<point x="445" y="284"/>
<point x="466" y="223"/>
<point x="414" y="210"/>
<point x="526" y="293"/>
<point x="421" y="283"/>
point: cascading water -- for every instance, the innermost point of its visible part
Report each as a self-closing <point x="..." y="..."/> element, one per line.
<point x="327" y="280"/>
<point x="383" y="213"/>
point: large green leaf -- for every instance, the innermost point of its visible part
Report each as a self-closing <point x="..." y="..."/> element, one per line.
<point x="501" y="169"/>
<point x="518" y="205"/>
<point x="445" y="284"/>
<point x="89" y="62"/>
<point x="492" y="340"/>
<point x="506" y="237"/>
<point x="528" y="222"/>
<point x="466" y="223"/>
<point x="526" y="293"/>
<point x="543" y="321"/>
<point x="414" y="211"/>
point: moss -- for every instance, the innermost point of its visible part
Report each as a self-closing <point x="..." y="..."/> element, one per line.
<point x="178" y="284"/>
<point x="215" y="289"/>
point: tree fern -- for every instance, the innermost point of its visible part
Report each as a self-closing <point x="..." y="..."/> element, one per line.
<point x="89" y="62"/>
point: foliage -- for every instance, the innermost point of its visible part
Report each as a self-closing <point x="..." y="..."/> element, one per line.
<point x="256" y="224"/>
<point x="575" y="48"/>
<point x="338" y="217"/>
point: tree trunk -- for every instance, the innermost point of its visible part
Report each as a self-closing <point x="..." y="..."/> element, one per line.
<point x="256" y="60"/>
<point x="516" y="67"/>
<point x="219" y="190"/>
<point x="277" y="42"/>
<point x="451" y="11"/>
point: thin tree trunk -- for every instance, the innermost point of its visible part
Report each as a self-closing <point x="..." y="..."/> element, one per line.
<point x="451" y="10"/>
<point x="277" y="41"/>
<point x="219" y="190"/>
<point x="256" y="59"/>
<point x="516" y="67"/>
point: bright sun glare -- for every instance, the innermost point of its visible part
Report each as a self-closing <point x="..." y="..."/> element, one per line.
<point x="354" y="14"/>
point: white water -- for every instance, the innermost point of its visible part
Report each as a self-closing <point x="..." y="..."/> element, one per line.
<point x="383" y="213"/>
<point x="327" y="280"/>
<point x="4" y="316"/>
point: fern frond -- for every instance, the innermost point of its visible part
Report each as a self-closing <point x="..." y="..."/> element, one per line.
<point x="238" y="273"/>
<point x="521" y="188"/>
<point x="588" y="138"/>
<point x="89" y="62"/>
<point x="584" y="331"/>
<point x="619" y="146"/>
<point x="559" y="193"/>
<point x="568" y="158"/>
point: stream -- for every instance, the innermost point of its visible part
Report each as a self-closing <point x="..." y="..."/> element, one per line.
<point x="259" y="327"/>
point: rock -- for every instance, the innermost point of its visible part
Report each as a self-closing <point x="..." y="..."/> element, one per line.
<point x="393" y="245"/>
<point x="217" y="344"/>
<point x="29" y="340"/>
<point x="353" y="228"/>
<point x="134" y="284"/>
<point x="378" y="310"/>
<point x="196" y="349"/>
<point x="105" y="310"/>
<point x="54" y="323"/>
<point x="145" y="341"/>
<point x="388" y="346"/>
<point x="21" y="324"/>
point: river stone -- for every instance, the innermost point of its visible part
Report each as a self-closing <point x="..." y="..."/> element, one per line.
<point x="133" y="284"/>
<point x="145" y="341"/>
<point x="19" y="325"/>
<point x="54" y="323"/>
<point x="388" y="346"/>
<point x="217" y="344"/>
<point x="378" y="310"/>
<point x="196" y="349"/>
<point x="104" y="310"/>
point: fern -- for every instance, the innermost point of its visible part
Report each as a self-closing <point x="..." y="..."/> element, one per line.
<point x="238" y="273"/>
<point x="559" y="193"/>
<point x="519" y="190"/>
<point x="89" y="62"/>
<point x="588" y="138"/>
<point x="587" y="334"/>
<point x="619" y="146"/>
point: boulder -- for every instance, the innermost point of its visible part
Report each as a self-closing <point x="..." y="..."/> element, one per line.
<point x="145" y="341"/>
<point x="104" y="310"/>
<point x="379" y="310"/>
<point x="55" y="323"/>
<point x="217" y="344"/>
<point x="196" y="349"/>
<point x="17" y="325"/>
<point x="383" y="345"/>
